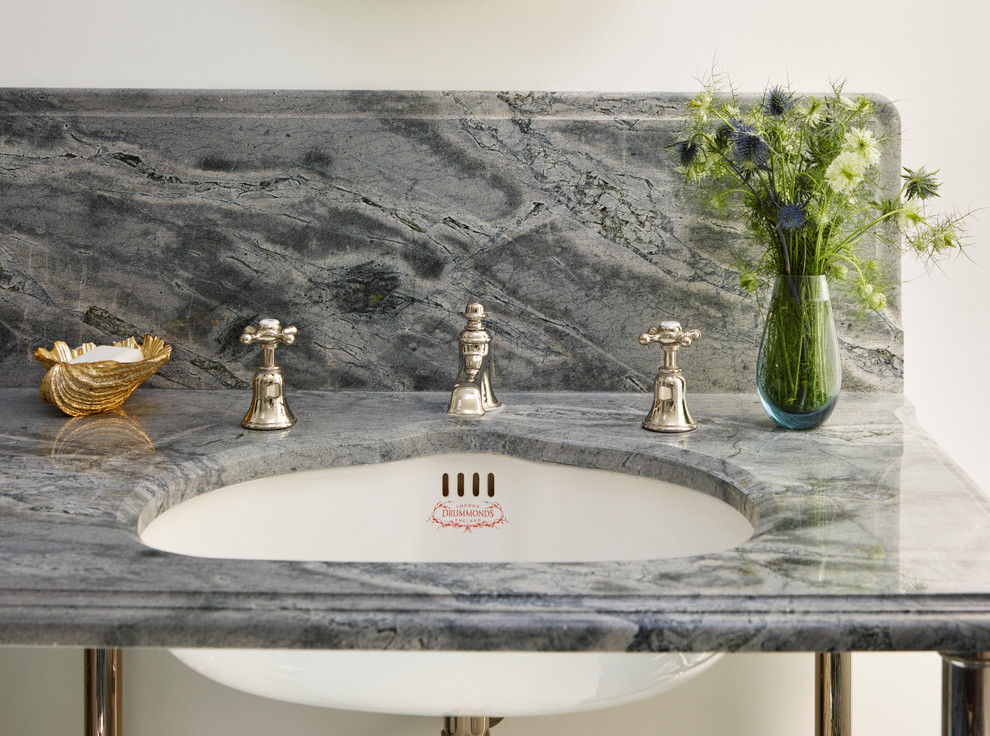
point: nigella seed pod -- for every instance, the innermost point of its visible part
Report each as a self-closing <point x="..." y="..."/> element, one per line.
<point x="878" y="301"/>
<point x="749" y="282"/>
<point x="840" y="272"/>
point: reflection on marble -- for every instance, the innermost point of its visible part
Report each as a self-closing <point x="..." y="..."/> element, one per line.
<point x="369" y="220"/>
<point x="97" y="442"/>
<point x="867" y="536"/>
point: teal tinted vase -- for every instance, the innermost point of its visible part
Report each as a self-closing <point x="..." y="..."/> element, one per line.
<point x="798" y="370"/>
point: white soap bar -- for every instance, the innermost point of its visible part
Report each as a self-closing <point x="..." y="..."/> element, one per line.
<point x="109" y="352"/>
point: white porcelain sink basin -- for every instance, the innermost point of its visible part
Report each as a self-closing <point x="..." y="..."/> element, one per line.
<point x="460" y="508"/>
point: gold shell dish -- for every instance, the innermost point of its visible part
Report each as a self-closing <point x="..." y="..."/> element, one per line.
<point x="88" y="388"/>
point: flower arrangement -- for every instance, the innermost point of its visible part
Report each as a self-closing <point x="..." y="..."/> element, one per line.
<point x="802" y="173"/>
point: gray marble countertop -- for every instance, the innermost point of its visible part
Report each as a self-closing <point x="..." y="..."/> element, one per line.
<point x="868" y="537"/>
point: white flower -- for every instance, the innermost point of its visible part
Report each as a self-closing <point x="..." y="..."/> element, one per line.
<point x="864" y="144"/>
<point x="845" y="172"/>
<point x="812" y="112"/>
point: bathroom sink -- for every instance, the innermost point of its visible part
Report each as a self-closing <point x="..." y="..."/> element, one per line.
<point x="449" y="508"/>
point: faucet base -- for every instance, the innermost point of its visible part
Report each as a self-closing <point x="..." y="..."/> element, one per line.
<point x="664" y="425"/>
<point x="466" y="401"/>
<point x="268" y="408"/>
<point x="670" y="412"/>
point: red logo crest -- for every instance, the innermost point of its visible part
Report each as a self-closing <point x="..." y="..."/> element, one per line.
<point x="467" y="515"/>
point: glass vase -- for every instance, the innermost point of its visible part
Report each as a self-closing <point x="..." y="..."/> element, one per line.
<point x="798" y="371"/>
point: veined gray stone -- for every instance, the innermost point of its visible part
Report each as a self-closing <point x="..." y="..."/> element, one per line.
<point x="368" y="220"/>
<point x="867" y="536"/>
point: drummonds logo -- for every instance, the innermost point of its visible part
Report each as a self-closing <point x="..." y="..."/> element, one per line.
<point x="468" y="509"/>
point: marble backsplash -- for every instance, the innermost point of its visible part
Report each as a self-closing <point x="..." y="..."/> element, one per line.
<point x="368" y="220"/>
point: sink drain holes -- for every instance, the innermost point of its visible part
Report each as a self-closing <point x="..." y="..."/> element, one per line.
<point x="475" y="484"/>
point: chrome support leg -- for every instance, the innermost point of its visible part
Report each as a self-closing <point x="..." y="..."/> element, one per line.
<point x="833" y="711"/>
<point x="103" y="681"/>
<point x="965" y="694"/>
<point x="468" y="726"/>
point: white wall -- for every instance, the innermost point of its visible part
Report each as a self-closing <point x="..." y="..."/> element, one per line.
<point x="931" y="58"/>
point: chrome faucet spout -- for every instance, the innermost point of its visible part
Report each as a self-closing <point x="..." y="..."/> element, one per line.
<point x="473" y="395"/>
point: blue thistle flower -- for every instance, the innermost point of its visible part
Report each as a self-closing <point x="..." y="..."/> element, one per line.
<point x="777" y="101"/>
<point x="791" y="217"/>
<point x="688" y="152"/>
<point x="748" y="147"/>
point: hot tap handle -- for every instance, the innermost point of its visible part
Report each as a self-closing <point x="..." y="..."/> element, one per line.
<point x="670" y="334"/>
<point x="268" y="408"/>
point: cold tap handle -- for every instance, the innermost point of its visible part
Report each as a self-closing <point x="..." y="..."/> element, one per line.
<point x="269" y="333"/>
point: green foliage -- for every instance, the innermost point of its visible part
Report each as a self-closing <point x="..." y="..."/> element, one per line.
<point x="801" y="173"/>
